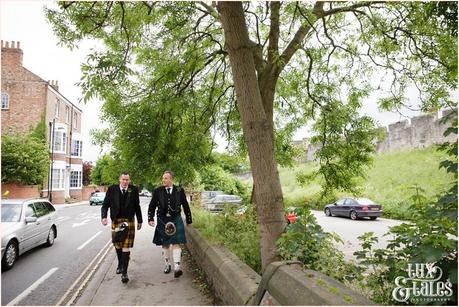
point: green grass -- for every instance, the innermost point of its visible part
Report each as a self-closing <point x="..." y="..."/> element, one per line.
<point x="389" y="181"/>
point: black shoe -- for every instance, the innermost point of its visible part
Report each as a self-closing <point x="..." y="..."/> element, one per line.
<point x="178" y="273"/>
<point x="119" y="270"/>
<point x="167" y="269"/>
<point x="124" y="278"/>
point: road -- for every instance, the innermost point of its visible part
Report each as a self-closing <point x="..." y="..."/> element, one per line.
<point x="349" y="230"/>
<point x="43" y="275"/>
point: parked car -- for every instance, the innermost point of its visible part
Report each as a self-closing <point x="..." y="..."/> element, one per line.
<point x="219" y="202"/>
<point x="206" y="196"/>
<point x="26" y="223"/>
<point x="354" y="208"/>
<point x="145" y="193"/>
<point x="97" y="198"/>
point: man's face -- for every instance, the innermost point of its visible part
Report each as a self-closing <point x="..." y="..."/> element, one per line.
<point x="167" y="180"/>
<point x="124" y="181"/>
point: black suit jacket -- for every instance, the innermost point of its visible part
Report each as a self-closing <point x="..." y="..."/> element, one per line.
<point x="158" y="200"/>
<point x="112" y="201"/>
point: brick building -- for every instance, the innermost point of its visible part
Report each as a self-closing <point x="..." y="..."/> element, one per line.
<point x="26" y="99"/>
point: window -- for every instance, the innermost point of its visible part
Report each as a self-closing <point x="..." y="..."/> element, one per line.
<point x="58" y="178"/>
<point x="5" y="101"/>
<point x="56" y="108"/>
<point x="75" y="179"/>
<point x="67" y="114"/>
<point x="77" y="148"/>
<point x="60" y="140"/>
<point x="40" y="209"/>
<point x="340" y="202"/>
<point x="75" y="120"/>
<point x="30" y="211"/>
<point x="49" y="207"/>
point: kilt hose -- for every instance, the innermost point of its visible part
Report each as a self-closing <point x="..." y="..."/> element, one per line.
<point x="161" y="238"/>
<point x="129" y="241"/>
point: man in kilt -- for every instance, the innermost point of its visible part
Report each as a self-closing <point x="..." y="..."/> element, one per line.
<point x="170" y="231"/>
<point x="123" y="201"/>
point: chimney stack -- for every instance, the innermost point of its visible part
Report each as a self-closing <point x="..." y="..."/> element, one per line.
<point x="54" y="84"/>
<point x="11" y="54"/>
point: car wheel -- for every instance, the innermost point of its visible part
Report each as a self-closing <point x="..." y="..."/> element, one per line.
<point x="373" y="217"/>
<point x="327" y="212"/>
<point x="51" y="236"/>
<point x="353" y="215"/>
<point x="10" y="256"/>
<point x="90" y="203"/>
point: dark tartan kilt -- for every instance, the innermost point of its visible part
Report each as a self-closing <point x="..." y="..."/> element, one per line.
<point x="161" y="238"/>
<point x="129" y="241"/>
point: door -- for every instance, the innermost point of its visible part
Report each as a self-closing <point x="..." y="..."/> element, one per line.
<point x="44" y="218"/>
<point x="30" y="236"/>
<point x="337" y="209"/>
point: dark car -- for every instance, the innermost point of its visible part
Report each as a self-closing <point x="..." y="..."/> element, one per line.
<point x="354" y="208"/>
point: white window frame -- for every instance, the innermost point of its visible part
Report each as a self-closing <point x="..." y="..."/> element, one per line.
<point x="59" y="141"/>
<point x="58" y="179"/>
<point x="67" y="114"/>
<point x="5" y="101"/>
<point x="75" y="120"/>
<point x="78" y="179"/>
<point x="79" y="148"/>
<point x="56" y="108"/>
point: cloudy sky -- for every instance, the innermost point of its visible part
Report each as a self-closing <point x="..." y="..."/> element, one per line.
<point x="24" y="21"/>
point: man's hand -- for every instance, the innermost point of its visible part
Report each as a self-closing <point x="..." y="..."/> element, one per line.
<point x="139" y="225"/>
<point x="151" y="223"/>
<point x="104" y="222"/>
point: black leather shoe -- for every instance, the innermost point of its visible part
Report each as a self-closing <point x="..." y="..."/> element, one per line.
<point x="167" y="269"/>
<point x="178" y="273"/>
<point x="119" y="270"/>
<point x="124" y="278"/>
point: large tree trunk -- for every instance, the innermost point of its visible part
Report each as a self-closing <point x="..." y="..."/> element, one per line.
<point x="257" y="128"/>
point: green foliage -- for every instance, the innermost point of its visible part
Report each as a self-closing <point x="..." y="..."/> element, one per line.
<point x="237" y="233"/>
<point x="106" y="171"/>
<point x="39" y="132"/>
<point x="214" y="178"/>
<point x="306" y="241"/>
<point x="346" y="146"/>
<point x="25" y="159"/>
<point x="430" y="238"/>
<point x="230" y="163"/>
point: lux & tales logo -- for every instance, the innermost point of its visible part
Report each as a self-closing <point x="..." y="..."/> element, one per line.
<point x="422" y="284"/>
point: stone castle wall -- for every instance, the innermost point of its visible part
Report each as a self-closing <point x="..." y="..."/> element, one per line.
<point x="418" y="132"/>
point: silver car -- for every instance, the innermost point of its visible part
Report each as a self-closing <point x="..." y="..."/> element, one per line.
<point x="26" y="223"/>
<point x="219" y="202"/>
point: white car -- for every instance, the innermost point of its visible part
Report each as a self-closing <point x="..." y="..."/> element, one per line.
<point x="26" y="223"/>
<point x="219" y="202"/>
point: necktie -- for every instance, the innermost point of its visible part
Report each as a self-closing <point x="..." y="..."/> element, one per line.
<point x="123" y="191"/>
<point x="169" y="191"/>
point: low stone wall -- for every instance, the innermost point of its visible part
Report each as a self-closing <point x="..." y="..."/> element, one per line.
<point x="233" y="282"/>
<point x="13" y="190"/>
<point x="283" y="283"/>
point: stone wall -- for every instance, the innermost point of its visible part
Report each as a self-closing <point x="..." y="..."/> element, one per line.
<point x="418" y="132"/>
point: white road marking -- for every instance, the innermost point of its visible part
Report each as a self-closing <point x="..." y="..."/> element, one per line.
<point x="81" y="224"/>
<point x="78" y="281"/>
<point x="27" y="291"/>
<point x="89" y="240"/>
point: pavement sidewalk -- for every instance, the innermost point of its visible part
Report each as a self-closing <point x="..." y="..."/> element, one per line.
<point x="148" y="285"/>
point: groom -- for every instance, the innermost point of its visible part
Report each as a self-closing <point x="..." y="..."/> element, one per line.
<point x="123" y="201"/>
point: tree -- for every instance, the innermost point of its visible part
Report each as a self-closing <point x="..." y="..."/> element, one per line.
<point x="25" y="159"/>
<point x="87" y="169"/>
<point x="255" y="71"/>
<point x="106" y="171"/>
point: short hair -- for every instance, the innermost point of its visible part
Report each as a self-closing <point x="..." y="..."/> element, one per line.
<point x="170" y="173"/>
<point x="124" y="173"/>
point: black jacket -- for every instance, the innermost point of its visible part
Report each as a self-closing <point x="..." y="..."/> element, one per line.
<point x="178" y="198"/>
<point x="112" y="201"/>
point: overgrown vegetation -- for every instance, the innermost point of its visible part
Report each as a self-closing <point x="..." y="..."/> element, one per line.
<point x="25" y="157"/>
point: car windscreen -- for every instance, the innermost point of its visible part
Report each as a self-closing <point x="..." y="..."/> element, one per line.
<point x="11" y="212"/>
<point x="99" y="195"/>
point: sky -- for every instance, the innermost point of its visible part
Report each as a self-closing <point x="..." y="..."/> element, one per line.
<point x="25" y="21"/>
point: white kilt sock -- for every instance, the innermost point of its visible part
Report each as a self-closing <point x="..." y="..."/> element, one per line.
<point x="177" y="252"/>
<point x="167" y="255"/>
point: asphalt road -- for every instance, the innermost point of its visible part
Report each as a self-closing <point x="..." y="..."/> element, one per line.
<point x="350" y="230"/>
<point x="43" y="275"/>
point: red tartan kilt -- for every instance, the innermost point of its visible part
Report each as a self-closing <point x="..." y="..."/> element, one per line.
<point x="129" y="241"/>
